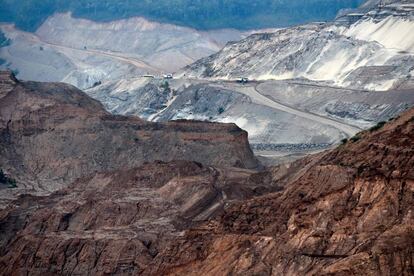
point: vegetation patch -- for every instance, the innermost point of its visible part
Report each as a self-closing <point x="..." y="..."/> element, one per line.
<point x="166" y="87"/>
<point x="15" y="72"/>
<point x="5" y="180"/>
<point x="356" y="138"/>
<point x="4" y="41"/>
<point x="393" y="118"/>
<point x="97" y="83"/>
<point x="377" y="126"/>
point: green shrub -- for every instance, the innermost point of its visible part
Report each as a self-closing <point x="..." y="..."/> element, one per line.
<point x="377" y="126"/>
<point x="3" y="177"/>
<point x="220" y="110"/>
<point x="356" y="138"/>
<point x="166" y="86"/>
<point x="4" y="41"/>
<point x="15" y="72"/>
<point x="344" y="141"/>
<point x="97" y="83"/>
<point x="7" y="180"/>
<point x="12" y="183"/>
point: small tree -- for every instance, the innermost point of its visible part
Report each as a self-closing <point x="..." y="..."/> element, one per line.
<point x="3" y="178"/>
<point x="356" y="138"/>
<point x="7" y="180"/>
<point x="12" y="183"/>
<point x="166" y="86"/>
<point x="377" y="126"/>
<point x="15" y="72"/>
<point x="4" y="41"/>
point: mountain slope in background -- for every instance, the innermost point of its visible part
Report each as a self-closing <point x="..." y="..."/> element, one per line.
<point x="334" y="70"/>
<point x="342" y="64"/>
<point x="268" y="125"/>
<point x="213" y="14"/>
<point x="374" y="53"/>
<point x="82" y="52"/>
<point x="164" y="46"/>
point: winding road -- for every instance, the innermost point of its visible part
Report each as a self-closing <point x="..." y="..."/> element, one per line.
<point x="251" y="90"/>
<point x="258" y="98"/>
<point x="67" y="50"/>
<point x="126" y="59"/>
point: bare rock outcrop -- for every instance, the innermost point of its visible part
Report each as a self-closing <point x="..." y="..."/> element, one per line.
<point x="53" y="133"/>
<point x="117" y="222"/>
<point x="349" y="213"/>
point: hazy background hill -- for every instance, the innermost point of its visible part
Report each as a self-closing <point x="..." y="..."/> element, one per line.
<point x="212" y="14"/>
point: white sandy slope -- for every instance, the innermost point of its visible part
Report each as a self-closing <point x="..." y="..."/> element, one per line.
<point x="165" y="46"/>
<point x="392" y="32"/>
<point x="83" y="52"/>
<point x="372" y="54"/>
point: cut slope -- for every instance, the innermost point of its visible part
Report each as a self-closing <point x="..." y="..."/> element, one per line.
<point x="164" y="46"/>
<point x="374" y="53"/>
<point x="392" y="32"/>
<point x="83" y="52"/>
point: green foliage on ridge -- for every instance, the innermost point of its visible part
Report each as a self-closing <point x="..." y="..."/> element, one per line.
<point x="377" y="126"/>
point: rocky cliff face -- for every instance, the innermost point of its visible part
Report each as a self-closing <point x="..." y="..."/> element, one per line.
<point x="117" y="222"/>
<point x="345" y="211"/>
<point x="348" y="213"/>
<point x="51" y="134"/>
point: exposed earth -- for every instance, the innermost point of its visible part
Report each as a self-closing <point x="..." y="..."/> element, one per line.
<point x="344" y="211"/>
<point x="53" y="133"/>
<point x="133" y="147"/>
